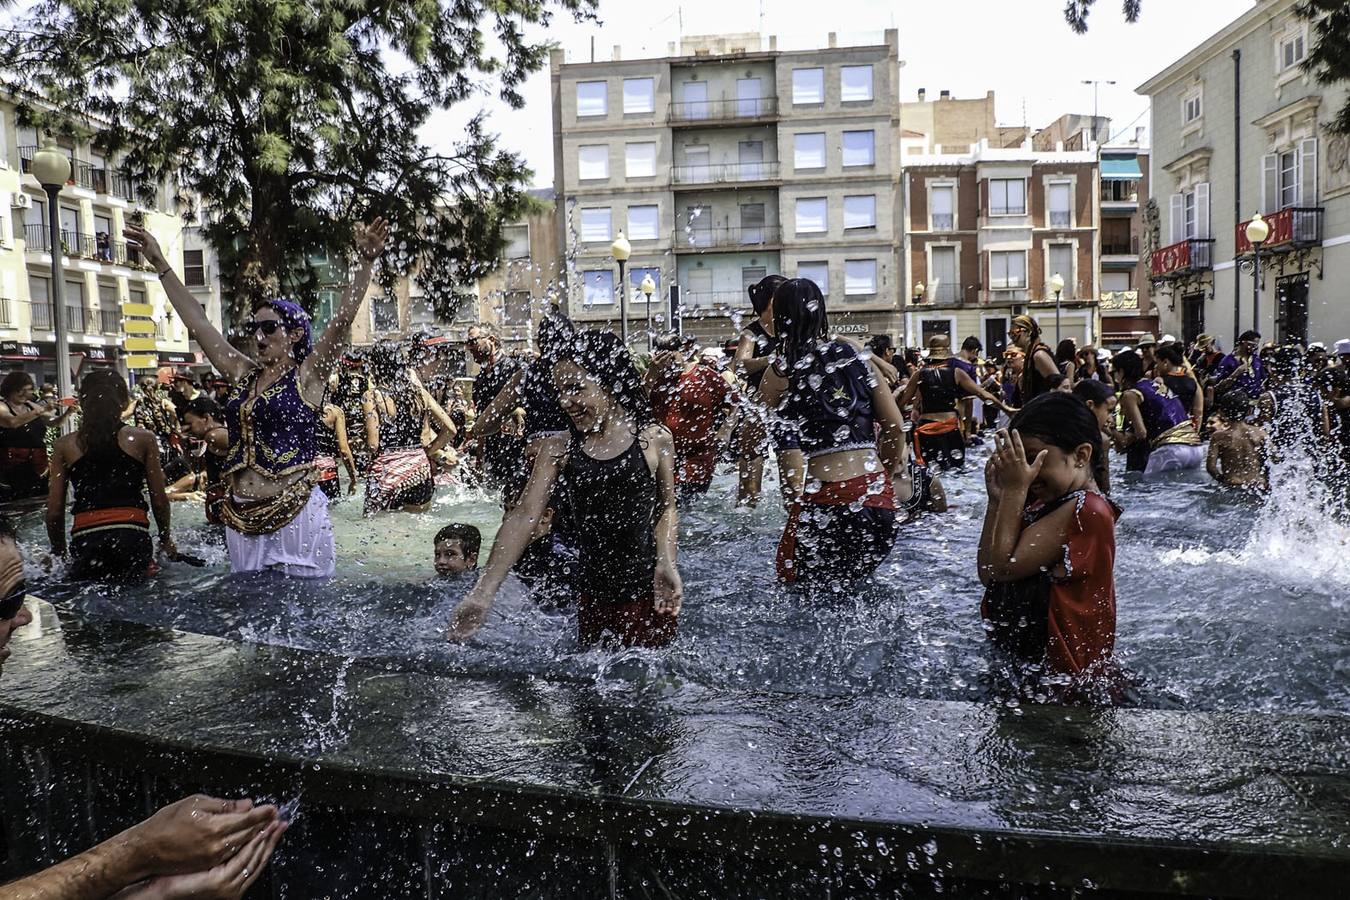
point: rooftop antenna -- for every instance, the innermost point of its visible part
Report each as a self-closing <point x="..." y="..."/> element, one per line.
<point x="1095" y="85"/>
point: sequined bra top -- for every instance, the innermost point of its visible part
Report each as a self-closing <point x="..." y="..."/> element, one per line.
<point x="273" y="433"/>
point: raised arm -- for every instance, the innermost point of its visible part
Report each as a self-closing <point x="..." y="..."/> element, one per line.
<point x="316" y="368"/>
<point x="226" y="358"/>
<point x="891" y="443"/>
<point x="967" y="384"/>
<point x="745" y="360"/>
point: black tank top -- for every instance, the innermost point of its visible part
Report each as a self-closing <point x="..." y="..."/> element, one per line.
<point x="107" y="478"/>
<point x="938" y="388"/>
<point x="1183" y="386"/>
<point x="325" y="439"/>
<point x="765" y="344"/>
<point x="32" y="436"/>
<point x="614" y="507"/>
<point x="402" y="430"/>
<point x="1033" y="382"/>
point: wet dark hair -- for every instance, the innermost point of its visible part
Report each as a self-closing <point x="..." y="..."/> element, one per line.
<point x="1090" y="390"/>
<point x="799" y="317"/>
<point x="469" y="537"/>
<point x="203" y="407"/>
<point x="555" y="331"/>
<point x="1128" y="364"/>
<point x="972" y="343"/>
<point x="1234" y="405"/>
<point x="14" y="382"/>
<point x="103" y="398"/>
<point x="762" y="291"/>
<point x="1066" y="351"/>
<point x="1061" y="420"/>
<point x="602" y="355"/>
<point x="1284" y="361"/>
<point x="1170" y="354"/>
<point x="880" y="343"/>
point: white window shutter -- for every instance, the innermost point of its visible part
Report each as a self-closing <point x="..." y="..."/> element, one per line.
<point x="1270" y="183"/>
<point x="1202" y="210"/>
<point x="4" y="142"/>
<point x="1177" y="220"/>
<point x="1307" y="172"/>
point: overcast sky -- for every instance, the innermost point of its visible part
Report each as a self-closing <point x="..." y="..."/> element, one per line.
<point x="1021" y="49"/>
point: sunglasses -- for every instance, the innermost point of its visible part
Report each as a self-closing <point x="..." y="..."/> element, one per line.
<point x="13" y="602"/>
<point x="268" y="327"/>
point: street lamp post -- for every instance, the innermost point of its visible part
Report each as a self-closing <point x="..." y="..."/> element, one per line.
<point x="1257" y="232"/>
<point x="648" y="287"/>
<point x="1057" y="285"/>
<point x="51" y="167"/>
<point x="622" y="250"/>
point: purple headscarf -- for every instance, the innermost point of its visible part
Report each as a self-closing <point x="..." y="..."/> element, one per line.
<point x="294" y="318"/>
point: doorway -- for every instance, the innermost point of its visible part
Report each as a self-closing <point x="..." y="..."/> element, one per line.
<point x="1192" y="317"/>
<point x="1291" y="314"/>
<point x="995" y="336"/>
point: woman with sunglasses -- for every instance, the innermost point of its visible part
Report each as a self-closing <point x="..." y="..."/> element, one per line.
<point x="276" y="516"/>
<point x="1040" y="372"/>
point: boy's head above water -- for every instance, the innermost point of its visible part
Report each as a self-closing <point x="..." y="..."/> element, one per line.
<point x="456" y="547"/>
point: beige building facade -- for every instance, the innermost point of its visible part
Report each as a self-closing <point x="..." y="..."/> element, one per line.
<point x="1239" y="127"/>
<point x="724" y="162"/>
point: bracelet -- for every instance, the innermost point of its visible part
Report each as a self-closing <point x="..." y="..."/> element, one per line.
<point x="167" y="270"/>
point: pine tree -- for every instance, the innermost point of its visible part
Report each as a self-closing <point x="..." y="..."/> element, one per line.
<point x="294" y="119"/>
<point x="1329" y="54"/>
<point x="1076" y="13"/>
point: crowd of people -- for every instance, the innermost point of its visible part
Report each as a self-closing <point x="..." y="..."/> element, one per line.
<point x="593" y="449"/>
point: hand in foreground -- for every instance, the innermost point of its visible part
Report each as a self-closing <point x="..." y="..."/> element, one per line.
<point x="227" y="881"/>
<point x="148" y="244"/>
<point x="467" y="618"/>
<point x="370" y="238"/>
<point x="993" y="485"/>
<point x="669" y="589"/>
<point x="198" y="833"/>
<point x="1010" y="462"/>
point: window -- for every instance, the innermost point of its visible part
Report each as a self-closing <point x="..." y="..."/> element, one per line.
<point x="1059" y="211"/>
<point x="639" y="160"/>
<point x="599" y="287"/>
<point x="194" y="268"/>
<point x="595" y="225"/>
<point x="593" y="162"/>
<point x="592" y="99"/>
<point x="1115" y="281"/>
<point x="1291" y="51"/>
<point x="1188" y="218"/>
<point x="384" y="313"/>
<point x="1060" y="259"/>
<point x="860" y="211"/>
<point x="694" y="100"/>
<point x="1288" y="174"/>
<point x="943" y="203"/>
<point x="1192" y="108"/>
<point x="517" y="241"/>
<point x="1007" y="197"/>
<point x="943" y="284"/>
<point x="811" y="215"/>
<point x="808" y="151"/>
<point x="635" y="276"/>
<point x="1007" y="269"/>
<point x="808" y="86"/>
<point x="859" y="148"/>
<point x="752" y="275"/>
<point x="698" y="162"/>
<point x="860" y="277"/>
<point x="819" y="272"/>
<point x="752" y="223"/>
<point x="855" y="83"/>
<point x="639" y="95"/>
<point x="516" y="308"/>
<point x="642" y="223"/>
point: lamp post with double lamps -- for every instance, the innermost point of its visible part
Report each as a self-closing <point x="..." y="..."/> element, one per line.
<point x="1057" y="285"/>
<point x="648" y="287"/>
<point x="51" y="167"/>
<point x="1257" y="232"/>
<point x="621" y="250"/>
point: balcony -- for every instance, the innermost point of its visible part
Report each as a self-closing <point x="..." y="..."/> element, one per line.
<point x="708" y="112"/>
<point x="726" y="238"/>
<point x="37" y="237"/>
<point x="1120" y="252"/>
<point x="724" y="173"/>
<point x="42" y="315"/>
<point x="75" y="318"/>
<point x="1120" y="198"/>
<point x="1124" y="301"/>
<point x="77" y="243"/>
<point x="110" y="321"/>
<point x="1295" y="228"/>
<point x="713" y="299"/>
<point x="6" y="312"/>
<point x="1182" y="258"/>
<point x="82" y="173"/>
<point x="26" y="158"/>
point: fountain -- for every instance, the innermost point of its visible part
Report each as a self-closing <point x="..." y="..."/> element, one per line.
<point x="777" y="749"/>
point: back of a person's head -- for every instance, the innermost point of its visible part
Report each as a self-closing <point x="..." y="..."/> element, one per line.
<point x="1170" y="354"/>
<point x="1235" y="405"/>
<point x="669" y="341"/>
<point x="1090" y="390"/>
<point x="1066" y="350"/>
<point x="762" y="291"/>
<point x="799" y="315"/>
<point x="103" y="399"/>
<point x="1128" y="364"/>
<point x="14" y="382"/>
<point x="203" y="407"/>
<point x="972" y="344"/>
<point x="880" y="344"/>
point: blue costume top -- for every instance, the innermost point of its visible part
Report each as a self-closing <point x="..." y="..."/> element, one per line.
<point x="831" y="399"/>
<point x="273" y="433"/>
<point x="1249" y="382"/>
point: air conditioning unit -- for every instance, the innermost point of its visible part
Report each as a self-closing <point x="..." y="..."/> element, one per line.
<point x="21" y="200"/>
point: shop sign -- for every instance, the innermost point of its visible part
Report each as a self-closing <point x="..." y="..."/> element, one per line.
<point x="851" y="328"/>
<point x="15" y="348"/>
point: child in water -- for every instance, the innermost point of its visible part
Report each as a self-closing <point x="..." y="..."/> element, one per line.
<point x="617" y="472"/>
<point x="1237" y="449"/>
<point x="1047" y="555"/>
<point x="456" y="548"/>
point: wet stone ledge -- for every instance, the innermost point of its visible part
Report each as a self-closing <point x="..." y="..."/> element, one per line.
<point x="424" y="785"/>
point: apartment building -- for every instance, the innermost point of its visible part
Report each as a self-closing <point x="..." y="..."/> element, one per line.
<point x="1126" y="302"/>
<point x="529" y="280"/>
<point x="723" y="162"/>
<point x="954" y="123"/>
<point x="988" y="229"/>
<point x="116" y="312"/>
<point x="1239" y="127"/>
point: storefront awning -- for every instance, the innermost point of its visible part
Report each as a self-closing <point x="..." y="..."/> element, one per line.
<point x="1121" y="169"/>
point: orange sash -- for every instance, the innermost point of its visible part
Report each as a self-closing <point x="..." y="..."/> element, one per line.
<point x="831" y="493"/>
